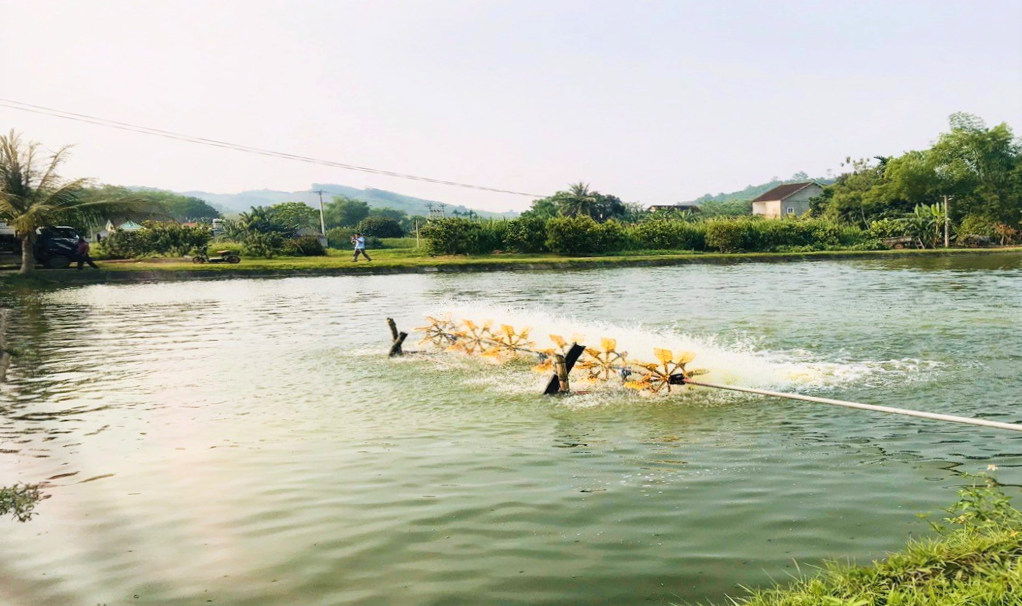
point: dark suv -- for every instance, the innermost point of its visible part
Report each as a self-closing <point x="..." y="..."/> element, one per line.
<point x="56" y="247"/>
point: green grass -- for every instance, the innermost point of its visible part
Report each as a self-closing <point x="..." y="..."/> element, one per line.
<point x="975" y="560"/>
<point x="393" y="260"/>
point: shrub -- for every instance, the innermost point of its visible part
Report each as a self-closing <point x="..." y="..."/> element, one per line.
<point x="303" y="246"/>
<point x="380" y="227"/>
<point x="888" y="228"/>
<point x="977" y="225"/>
<point x="266" y="245"/>
<point x="734" y="235"/>
<point x="452" y="236"/>
<point x="573" y="235"/>
<point x="611" y="237"/>
<point x="661" y="234"/>
<point x="156" y="239"/>
<point x="526" y="235"/>
<point x="787" y="235"/>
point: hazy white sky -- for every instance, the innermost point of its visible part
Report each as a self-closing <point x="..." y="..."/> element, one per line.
<point x="655" y="101"/>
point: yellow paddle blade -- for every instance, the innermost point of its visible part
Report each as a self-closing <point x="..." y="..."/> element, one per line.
<point x="664" y="355"/>
<point x="685" y="357"/>
<point x="608" y="344"/>
<point x="593" y="352"/>
<point x="637" y="385"/>
<point x="469" y="324"/>
<point x="558" y="340"/>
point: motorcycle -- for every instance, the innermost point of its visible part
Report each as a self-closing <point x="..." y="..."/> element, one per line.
<point x="223" y="256"/>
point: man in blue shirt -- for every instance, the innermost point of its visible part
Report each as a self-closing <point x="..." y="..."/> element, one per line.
<point x="360" y="247"/>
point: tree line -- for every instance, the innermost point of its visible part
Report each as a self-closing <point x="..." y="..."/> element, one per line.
<point x="978" y="168"/>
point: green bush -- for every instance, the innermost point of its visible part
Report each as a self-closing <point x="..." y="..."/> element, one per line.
<point x="573" y="235"/>
<point x="612" y="236"/>
<point x="493" y="236"/>
<point x="156" y="239"/>
<point x="380" y="227"/>
<point x="303" y="246"/>
<point x="666" y="234"/>
<point x="526" y="235"/>
<point x="453" y="236"/>
<point x="733" y="235"/>
<point x="976" y="225"/>
<point x="266" y="245"/>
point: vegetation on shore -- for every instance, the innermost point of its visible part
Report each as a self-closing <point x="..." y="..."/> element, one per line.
<point x="976" y="558"/>
<point x="402" y="260"/>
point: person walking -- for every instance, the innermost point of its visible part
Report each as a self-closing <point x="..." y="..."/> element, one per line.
<point x="360" y="247"/>
<point x="83" y="254"/>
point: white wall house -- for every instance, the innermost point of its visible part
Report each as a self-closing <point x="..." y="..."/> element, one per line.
<point x="112" y="227"/>
<point x="788" y="200"/>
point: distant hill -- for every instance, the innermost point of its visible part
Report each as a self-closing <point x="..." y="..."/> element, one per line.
<point x="375" y="198"/>
<point x="754" y="191"/>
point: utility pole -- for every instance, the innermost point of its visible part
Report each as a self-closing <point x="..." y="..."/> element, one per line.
<point x="947" y="222"/>
<point x="322" y="217"/>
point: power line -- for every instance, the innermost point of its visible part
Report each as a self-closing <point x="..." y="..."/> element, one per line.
<point x="38" y="109"/>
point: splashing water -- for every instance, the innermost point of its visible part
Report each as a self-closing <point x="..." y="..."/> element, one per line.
<point x="736" y="362"/>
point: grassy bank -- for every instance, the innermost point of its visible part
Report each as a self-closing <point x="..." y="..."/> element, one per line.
<point x="408" y="260"/>
<point x="975" y="559"/>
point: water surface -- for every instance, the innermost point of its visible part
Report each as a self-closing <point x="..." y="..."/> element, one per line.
<point x="248" y="442"/>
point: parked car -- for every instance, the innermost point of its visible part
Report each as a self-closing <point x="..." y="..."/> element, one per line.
<point x="56" y="247"/>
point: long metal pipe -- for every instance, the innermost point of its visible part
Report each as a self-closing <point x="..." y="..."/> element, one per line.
<point x="888" y="409"/>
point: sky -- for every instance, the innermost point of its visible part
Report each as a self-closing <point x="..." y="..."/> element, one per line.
<point x="654" y="101"/>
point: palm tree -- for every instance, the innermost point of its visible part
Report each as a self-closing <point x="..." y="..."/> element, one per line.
<point x="578" y="200"/>
<point x="33" y="195"/>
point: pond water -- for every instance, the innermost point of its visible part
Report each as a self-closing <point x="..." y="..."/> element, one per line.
<point x="248" y="442"/>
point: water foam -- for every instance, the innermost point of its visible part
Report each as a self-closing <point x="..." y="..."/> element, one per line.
<point x="734" y="361"/>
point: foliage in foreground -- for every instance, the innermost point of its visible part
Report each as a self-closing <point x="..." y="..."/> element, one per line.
<point x="975" y="560"/>
<point x="19" y="501"/>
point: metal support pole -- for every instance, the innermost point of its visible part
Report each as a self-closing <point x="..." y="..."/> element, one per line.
<point x="888" y="409"/>
<point x="561" y="368"/>
<point x="322" y="216"/>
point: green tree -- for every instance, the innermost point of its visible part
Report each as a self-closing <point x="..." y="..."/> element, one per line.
<point x="181" y="208"/>
<point x="260" y="219"/>
<point x="380" y="227"/>
<point x="345" y="212"/>
<point x="33" y="195"/>
<point x="578" y="201"/>
<point x="981" y="167"/>
<point x="294" y="216"/>
<point x="544" y="208"/>
<point x="388" y="213"/>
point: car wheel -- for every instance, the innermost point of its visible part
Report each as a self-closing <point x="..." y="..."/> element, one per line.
<point x="58" y="262"/>
<point x="233" y="259"/>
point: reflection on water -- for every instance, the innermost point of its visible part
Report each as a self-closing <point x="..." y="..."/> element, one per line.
<point x="248" y="442"/>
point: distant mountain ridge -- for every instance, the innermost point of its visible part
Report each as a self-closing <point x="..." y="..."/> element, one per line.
<point x="375" y="198"/>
